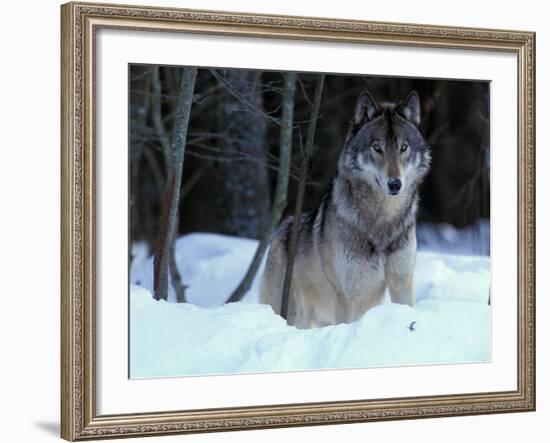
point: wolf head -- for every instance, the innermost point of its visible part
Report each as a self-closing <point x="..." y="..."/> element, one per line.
<point x="385" y="146"/>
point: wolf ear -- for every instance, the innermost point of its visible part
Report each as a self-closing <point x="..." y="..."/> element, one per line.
<point x="366" y="108"/>
<point x="410" y="108"/>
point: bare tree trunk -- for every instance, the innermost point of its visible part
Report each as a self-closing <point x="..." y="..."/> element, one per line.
<point x="304" y="172"/>
<point x="155" y="169"/>
<point x="242" y="187"/>
<point x="170" y="205"/>
<point x="139" y="108"/>
<point x="175" y="275"/>
<point x="279" y="201"/>
<point x="168" y="160"/>
<point x="156" y="104"/>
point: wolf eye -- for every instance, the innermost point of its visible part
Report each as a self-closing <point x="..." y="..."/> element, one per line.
<point x="377" y="148"/>
<point x="404" y="147"/>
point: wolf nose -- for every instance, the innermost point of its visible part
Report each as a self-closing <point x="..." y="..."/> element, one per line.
<point x="394" y="185"/>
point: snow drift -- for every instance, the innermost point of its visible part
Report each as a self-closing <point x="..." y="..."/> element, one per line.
<point x="450" y="322"/>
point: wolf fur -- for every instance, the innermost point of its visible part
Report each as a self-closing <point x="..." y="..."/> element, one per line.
<point x="361" y="239"/>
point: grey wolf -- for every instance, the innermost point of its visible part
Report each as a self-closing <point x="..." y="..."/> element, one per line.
<point x="361" y="239"/>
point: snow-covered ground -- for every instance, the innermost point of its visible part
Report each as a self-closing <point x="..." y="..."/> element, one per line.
<point x="452" y="319"/>
<point x="442" y="237"/>
<point x="211" y="265"/>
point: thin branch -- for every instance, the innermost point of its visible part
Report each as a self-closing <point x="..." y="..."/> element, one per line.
<point x="306" y="166"/>
<point x="195" y="142"/>
<point x="303" y="89"/>
<point x="139" y="77"/>
<point x="272" y="167"/>
<point x="156" y="105"/>
<point x="156" y="172"/>
<point x="248" y="104"/>
<point x="137" y="127"/>
<point x="280" y="199"/>
<point x="190" y="183"/>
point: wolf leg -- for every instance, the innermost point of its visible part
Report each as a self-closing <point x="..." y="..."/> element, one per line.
<point x="399" y="272"/>
<point x="402" y="291"/>
<point x="304" y="316"/>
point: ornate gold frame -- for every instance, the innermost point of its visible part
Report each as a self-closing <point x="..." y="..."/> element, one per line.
<point x="79" y="23"/>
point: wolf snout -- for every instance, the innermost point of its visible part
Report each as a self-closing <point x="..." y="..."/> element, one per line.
<point x="394" y="185"/>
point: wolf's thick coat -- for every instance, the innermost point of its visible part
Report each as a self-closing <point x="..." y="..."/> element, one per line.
<point x="361" y="239"/>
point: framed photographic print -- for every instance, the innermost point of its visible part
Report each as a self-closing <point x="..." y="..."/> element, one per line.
<point x="281" y="221"/>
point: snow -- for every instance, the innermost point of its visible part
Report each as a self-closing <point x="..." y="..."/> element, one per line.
<point x="211" y="265"/>
<point x="443" y="237"/>
<point x="452" y="319"/>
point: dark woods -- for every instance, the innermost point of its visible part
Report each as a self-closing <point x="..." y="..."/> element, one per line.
<point x="233" y="144"/>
